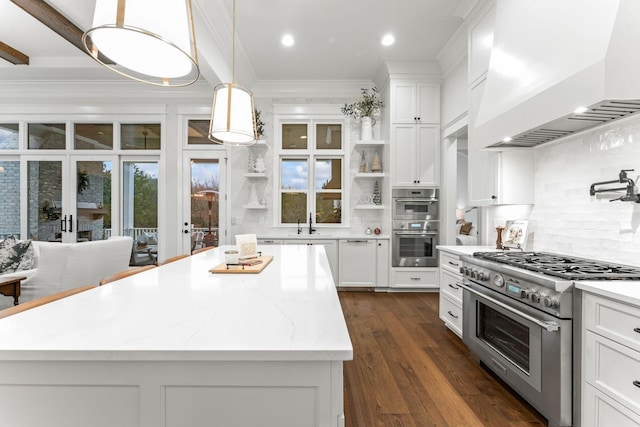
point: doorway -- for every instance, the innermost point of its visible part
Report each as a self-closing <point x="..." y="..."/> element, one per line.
<point x="204" y="210"/>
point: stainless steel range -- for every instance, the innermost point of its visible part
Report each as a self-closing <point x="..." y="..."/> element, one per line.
<point x="519" y="311"/>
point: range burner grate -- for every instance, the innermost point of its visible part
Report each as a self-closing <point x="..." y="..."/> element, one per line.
<point x="565" y="267"/>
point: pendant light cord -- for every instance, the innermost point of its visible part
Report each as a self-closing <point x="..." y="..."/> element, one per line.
<point x="233" y="67"/>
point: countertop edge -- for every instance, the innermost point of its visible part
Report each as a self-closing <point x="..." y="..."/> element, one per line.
<point x="623" y="291"/>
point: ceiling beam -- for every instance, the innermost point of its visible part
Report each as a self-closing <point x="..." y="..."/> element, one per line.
<point x="57" y="22"/>
<point x="13" y="55"/>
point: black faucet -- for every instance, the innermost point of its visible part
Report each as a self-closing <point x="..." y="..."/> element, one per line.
<point x="630" y="195"/>
<point x="311" y="229"/>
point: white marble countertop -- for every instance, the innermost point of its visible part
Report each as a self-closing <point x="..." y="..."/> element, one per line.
<point x="180" y="311"/>
<point x="626" y="291"/>
<point x="466" y="250"/>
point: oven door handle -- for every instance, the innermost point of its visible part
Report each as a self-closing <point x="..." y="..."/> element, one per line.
<point x="417" y="233"/>
<point x="425" y="201"/>
<point x="549" y="326"/>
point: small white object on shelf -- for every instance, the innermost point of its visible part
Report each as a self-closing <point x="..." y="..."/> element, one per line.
<point x="255" y="175"/>
<point x="369" y="206"/>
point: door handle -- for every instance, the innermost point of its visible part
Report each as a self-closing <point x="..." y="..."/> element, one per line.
<point x="70" y="223"/>
<point x="63" y="224"/>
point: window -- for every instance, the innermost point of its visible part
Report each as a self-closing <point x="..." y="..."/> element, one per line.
<point x="311" y="170"/>
<point x="90" y="136"/>
<point x="8" y="136"/>
<point x="140" y="136"/>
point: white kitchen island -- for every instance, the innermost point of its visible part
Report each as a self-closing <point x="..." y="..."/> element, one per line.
<point x="177" y="346"/>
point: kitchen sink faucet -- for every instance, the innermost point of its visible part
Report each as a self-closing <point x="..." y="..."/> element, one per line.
<point x="311" y="229"/>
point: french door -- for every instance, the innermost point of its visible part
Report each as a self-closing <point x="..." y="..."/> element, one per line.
<point x="204" y="205"/>
<point x="69" y="198"/>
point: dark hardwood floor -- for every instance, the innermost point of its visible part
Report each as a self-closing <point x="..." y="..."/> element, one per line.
<point x="410" y="370"/>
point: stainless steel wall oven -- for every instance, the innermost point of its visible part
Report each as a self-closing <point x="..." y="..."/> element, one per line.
<point x="415" y="227"/>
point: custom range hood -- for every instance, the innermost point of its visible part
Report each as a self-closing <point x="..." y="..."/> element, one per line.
<point x="548" y="59"/>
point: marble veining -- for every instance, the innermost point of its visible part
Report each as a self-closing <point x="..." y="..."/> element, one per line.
<point x="180" y="311"/>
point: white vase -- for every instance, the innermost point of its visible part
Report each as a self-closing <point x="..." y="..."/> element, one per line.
<point x="366" y="129"/>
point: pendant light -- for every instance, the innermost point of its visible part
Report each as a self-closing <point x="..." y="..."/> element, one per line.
<point x="150" y="41"/>
<point x="233" y="120"/>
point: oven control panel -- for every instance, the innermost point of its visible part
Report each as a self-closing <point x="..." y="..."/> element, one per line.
<point x="527" y="292"/>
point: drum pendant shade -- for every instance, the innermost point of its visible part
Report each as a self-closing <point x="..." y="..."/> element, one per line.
<point x="233" y="119"/>
<point x="150" y="41"/>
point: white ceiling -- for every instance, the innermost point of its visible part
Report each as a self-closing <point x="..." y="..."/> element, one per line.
<point x="335" y="39"/>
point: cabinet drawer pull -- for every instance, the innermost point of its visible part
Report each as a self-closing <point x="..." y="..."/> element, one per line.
<point x="636" y="330"/>
<point x="357" y="241"/>
<point x="636" y="383"/>
<point x="268" y="241"/>
<point x="455" y="317"/>
<point x="453" y="263"/>
<point x="415" y="278"/>
<point x="453" y="287"/>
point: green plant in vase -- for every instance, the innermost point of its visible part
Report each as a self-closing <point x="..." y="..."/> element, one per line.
<point x="259" y="124"/>
<point x="364" y="110"/>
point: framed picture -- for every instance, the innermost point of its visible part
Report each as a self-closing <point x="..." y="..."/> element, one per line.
<point x="515" y="234"/>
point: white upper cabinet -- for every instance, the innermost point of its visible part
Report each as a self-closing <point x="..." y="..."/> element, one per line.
<point x="413" y="102"/>
<point x="415" y="155"/>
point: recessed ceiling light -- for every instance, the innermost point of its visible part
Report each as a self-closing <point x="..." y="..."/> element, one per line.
<point x="388" y="40"/>
<point x="580" y="110"/>
<point x="506" y="139"/>
<point x="287" y="40"/>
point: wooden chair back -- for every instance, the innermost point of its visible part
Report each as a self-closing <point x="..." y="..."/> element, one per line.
<point x="126" y="273"/>
<point x="42" y="301"/>
<point x="172" y="259"/>
<point x="207" y="248"/>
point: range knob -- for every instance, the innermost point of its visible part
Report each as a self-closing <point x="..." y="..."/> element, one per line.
<point x="534" y="297"/>
<point x="462" y="269"/>
<point x="550" y="302"/>
<point x="474" y="274"/>
<point x="483" y="276"/>
<point x="524" y="293"/>
<point x="498" y="280"/>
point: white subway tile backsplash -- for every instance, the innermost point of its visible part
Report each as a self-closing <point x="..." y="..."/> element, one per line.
<point x="565" y="218"/>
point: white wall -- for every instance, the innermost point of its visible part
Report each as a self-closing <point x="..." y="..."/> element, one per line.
<point x="565" y="218"/>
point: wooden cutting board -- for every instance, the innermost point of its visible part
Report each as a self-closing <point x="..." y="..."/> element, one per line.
<point x="246" y="269"/>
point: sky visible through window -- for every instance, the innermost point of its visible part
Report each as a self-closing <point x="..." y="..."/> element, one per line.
<point x="295" y="173"/>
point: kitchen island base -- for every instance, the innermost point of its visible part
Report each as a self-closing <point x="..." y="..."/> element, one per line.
<point x="171" y="394"/>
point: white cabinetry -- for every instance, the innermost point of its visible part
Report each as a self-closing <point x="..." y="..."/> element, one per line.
<point x="497" y="178"/>
<point x="414" y="278"/>
<point x="415" y="134"/>
<point x="414" y="102"/>
<point x="610" y="363"/>
<point x="382" y="263"/>
<point x="355" y="263"/>
<point x="330" y="247"/>
<point x="451" y="292"/>
<point x="415" y="155"/>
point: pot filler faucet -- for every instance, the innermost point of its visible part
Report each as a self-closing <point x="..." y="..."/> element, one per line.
<point x="630" y="195"/>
